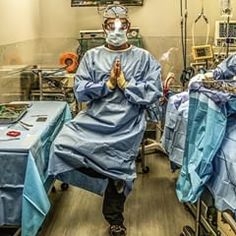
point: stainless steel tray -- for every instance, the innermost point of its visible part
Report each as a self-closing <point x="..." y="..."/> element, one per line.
<point x="11" y="113"/>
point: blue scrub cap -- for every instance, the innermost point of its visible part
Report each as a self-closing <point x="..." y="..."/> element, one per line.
<point x="115" y="11"/>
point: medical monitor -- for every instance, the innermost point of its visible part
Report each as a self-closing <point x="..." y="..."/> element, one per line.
<point x="202" y="52"/>
<point x="221" y="33"/>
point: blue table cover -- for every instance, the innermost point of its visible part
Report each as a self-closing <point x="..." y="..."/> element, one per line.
<point x="209" y="152"/>
<point x="23" y="165"/>
<point x="173" y="138"/>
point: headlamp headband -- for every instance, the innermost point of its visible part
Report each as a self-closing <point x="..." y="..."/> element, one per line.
<point x="115" y="11"/>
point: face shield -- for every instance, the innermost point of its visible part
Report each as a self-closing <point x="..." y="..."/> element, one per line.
<point x="116" y="24"/>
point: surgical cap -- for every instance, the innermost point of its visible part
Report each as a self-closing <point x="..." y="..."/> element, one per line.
<point x="115" y="11"/>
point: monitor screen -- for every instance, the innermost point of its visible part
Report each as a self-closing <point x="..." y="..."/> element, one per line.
<point x="223" y="30"/>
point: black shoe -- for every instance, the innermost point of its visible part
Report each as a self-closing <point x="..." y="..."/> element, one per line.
<point x="119" y="185"/>
<point x="117" y="230"/>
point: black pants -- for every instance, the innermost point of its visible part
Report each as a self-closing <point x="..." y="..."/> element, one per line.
<point x="113" y="202"/>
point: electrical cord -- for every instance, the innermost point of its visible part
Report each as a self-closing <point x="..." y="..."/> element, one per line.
<point x="183" y="24"/>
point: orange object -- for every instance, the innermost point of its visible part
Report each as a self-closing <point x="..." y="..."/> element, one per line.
<point x="69" y="60"/>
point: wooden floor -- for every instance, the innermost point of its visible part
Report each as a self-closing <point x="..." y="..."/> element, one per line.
<point x="152" y="208"/>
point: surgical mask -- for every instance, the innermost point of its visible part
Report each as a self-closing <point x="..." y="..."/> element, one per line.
<point x="116" y="37"/>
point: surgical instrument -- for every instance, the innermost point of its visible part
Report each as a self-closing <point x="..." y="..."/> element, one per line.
<point x="13" y="133"/>
<point x="9" y="139"/>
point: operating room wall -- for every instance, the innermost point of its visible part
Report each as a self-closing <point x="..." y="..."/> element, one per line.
<point x="37" y="31"/>
<point x="155" y="18"/>
<point x="19" y="36"/>
<point x="159" y="23"/>
<point x="19" y="31"/>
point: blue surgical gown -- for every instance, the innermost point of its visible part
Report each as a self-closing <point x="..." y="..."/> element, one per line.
<point x="226" y="69"/>
<point x="106" y="136"/>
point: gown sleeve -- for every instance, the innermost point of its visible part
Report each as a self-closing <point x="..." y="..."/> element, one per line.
<point x="87" y="87"/>
<point x="145" y="88"/>
<point x="226" y="69"/>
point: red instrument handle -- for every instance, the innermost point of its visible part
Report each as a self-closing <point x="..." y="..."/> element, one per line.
<point x="13" y="133"/>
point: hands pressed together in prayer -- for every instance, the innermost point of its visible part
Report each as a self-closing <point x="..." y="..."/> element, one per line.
<point x="117" y="77"/>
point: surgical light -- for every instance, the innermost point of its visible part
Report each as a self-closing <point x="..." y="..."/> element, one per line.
<point x="117" y="24"/>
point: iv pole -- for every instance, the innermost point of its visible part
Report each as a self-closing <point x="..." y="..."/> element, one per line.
<point x="226" y="12"/>
<point x="227" y="33"/>
<point x="187" y="72"/>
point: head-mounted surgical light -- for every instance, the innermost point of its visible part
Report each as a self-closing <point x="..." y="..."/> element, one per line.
<point x="117" y="24"/>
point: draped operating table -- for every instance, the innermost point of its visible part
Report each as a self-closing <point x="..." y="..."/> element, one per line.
<point x="23" y="164"/>
<point x="200" y="136"/>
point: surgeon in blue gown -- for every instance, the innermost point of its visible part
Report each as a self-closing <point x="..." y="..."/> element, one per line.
<point x="97" y="149"/>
